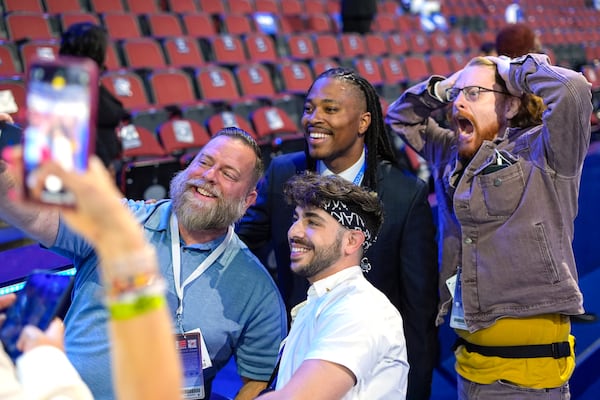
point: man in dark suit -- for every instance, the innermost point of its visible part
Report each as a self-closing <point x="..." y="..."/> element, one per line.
<point x="345" y="135"/>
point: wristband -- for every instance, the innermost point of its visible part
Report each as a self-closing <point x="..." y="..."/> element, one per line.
<point x="120" y="311"/>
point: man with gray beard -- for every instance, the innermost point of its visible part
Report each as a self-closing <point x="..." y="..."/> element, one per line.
<point x="215" y="285"/>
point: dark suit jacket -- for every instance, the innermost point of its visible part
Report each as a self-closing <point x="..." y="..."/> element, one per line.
<point x="403" y="260"/>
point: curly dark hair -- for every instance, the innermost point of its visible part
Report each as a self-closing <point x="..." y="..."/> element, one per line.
<point x="377" y="142"/>
<point x="312" y="190"/>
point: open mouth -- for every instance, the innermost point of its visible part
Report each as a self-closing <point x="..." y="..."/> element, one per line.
<point x="465" y="126"/>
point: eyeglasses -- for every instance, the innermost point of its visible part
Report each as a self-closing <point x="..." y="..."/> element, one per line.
<point x="471" y="92"/>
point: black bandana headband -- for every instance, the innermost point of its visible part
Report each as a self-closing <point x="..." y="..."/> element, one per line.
<point x="349" y="217"/>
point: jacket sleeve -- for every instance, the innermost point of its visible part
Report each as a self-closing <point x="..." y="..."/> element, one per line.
<point x="410" y="117"/>
<point x="566" y="120"/>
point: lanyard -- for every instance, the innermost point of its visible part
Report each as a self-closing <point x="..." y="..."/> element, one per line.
<point x="359" y="176"/>
<point x="176" y="256"/>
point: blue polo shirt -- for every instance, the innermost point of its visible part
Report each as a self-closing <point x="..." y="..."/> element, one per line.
<point x="234" y="303"/>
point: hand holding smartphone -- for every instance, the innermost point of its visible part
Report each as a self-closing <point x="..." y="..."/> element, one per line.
<point x="61" y="112"/>
<point x="42" y="298"/>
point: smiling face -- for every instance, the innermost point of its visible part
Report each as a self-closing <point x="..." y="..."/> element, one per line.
<point x="316" y="244"/>
<point x="476" y="121"/>
<point x="334" y="121"/>
<point x="215" y="190"/>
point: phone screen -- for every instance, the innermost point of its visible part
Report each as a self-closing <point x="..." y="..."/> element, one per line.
<point x="42" y="297"/>
<point x="60" y="106"/>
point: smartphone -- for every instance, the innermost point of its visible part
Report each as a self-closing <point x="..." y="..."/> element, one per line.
<point x="10" y="135"/>
<point x="61" y="103"/>
<point x="43" y="297"/>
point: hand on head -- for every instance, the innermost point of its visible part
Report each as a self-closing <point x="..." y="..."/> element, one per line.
<point x="503" y="67"/>
<point x="447" y="83"/>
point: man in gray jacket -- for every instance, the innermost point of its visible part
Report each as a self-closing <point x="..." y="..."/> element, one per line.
<point x="507" y="178"/>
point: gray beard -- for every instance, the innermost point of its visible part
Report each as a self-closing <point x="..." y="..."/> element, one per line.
<point x="198" y="216"/>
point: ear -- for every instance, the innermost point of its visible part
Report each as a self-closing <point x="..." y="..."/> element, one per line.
<point x="354" y="241"/>
<point x="365" y="121"/>
<point x="511" y="106"/>
<point x="251" y="198"/>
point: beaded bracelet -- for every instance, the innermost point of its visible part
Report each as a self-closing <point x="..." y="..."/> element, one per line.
<point x="130" y="274"/>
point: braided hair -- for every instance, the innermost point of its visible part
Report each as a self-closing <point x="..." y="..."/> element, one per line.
<point x="377" y="142"/>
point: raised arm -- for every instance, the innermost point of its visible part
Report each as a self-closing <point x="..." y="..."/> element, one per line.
<point x="39" y="223"/>
<point x="139" y="318"/>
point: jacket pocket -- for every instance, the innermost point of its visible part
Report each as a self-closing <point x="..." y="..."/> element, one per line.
<point x="502" y="190"/>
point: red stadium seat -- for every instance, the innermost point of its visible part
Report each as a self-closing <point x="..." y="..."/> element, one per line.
<point x="171" y="87"/>
<point x="296" y="77"/>
<point x="255" y="81"/>
<point x="370" y="69"/>
<point x="112" y="60"/>
<point x="29" y="26"/>
<point x="212" y="6"/>
<point x="63" y="6"/>
<point x="227" y="118"/>
<point x="322" y="64"/>
<point x="183" y="52"/>
<point x="416" y="69"/>
<point x="102" y="6"/>
<point x="393" y="70"/>
<point x="199" y="25"/>
<point x="439" y="65"/>
<point x="216" y="84"/>
<point x="142" y="53"/>
<point x="180" y="136"/>
<point x="376" y="45"/>
<point x="352" y="45"/>
<point x="269" y="6"/>
<point x="327" y="45"/>
<point x="121" y="25"/>
<point x="23" y="5"/>
<point x="236" y="24"/>
<point x="384" y="23"/>
<point x="276" y="131"/>
<point x="260" y="48"/>
<point x="320" y="23"/>
<point x="228" y="50"/>
<point x="240" y="6"/>
<point x="142" y="6"/>
<point x="9" y="59"/>
<point x="418" y="43"/>
<point x="161" y="25"/>
<point x="127" y="87"/>
<point x="182" y="6"/>
<point x="314" y="7"/>
<point x="300" y="46"/>
<point x="41" y="49"/>
<point x="397" y="44"/>
<point x="69" y="18"/>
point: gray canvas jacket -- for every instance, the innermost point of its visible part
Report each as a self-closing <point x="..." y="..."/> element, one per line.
<point x="510" y="230"/>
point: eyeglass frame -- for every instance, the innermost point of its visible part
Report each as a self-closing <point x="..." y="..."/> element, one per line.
<point x="470" y="99"/>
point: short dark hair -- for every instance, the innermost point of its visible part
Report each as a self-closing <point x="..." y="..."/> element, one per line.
<point x="85" y="39"/>
<point x="313" y="190"/>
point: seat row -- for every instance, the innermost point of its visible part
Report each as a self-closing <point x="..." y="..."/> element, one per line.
<point x="182" y="6"/>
